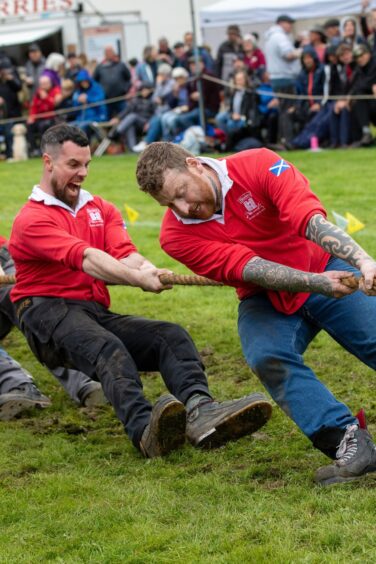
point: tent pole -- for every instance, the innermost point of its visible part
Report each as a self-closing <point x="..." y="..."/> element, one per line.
<point x="197" y="69"/>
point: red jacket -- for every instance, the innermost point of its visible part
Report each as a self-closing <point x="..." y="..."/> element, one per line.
<point x="47" y="244"/>
<point x="266" y="212"/>
<point x="39" y="105"/>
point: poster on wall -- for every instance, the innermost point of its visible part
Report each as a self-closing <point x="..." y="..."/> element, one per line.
<point x="99" y="37"/>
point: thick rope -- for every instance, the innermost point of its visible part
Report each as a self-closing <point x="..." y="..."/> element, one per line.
<point x="194" y="280"/>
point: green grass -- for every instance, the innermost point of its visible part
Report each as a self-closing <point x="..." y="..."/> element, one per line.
<point x="73" y="489"/>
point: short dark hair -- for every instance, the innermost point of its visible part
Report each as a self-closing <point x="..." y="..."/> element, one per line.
<point x="60" y="133"/>
<point x="155" y="161"/>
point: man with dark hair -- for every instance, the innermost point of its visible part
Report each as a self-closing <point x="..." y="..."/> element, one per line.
<point x="363" y="83"/>
<point x="228" y="51"/>
<point x="67" y="245"/>
<point x="252" y="222"/>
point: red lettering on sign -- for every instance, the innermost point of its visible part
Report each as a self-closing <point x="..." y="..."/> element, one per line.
<point x="4" y="8"/>
<point x="20" y="7"/>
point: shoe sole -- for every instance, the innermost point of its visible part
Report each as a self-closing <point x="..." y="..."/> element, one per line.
<point x="243" y="422"/>
<point x="11" y="408"/>
<point x="367" y="477"/>
<point x="168" y="425"/>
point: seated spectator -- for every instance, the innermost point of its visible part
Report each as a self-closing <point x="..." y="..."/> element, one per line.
<point x="241" y="109"/>
<point x="317" y="39"/>
<point x="163" y="88"/>
<point x="210" y="95"/>
<point x="67" y="92"/>
<point x="74" y="66"/>
<point x="133" y="120"/>
<point x="147" y="70"/>
<point x="163" y="125"/>
<point x="350" y="31"/>
<point x="34" y="67"/>
<point x="115" y="79"/>
<point x="165" y="53"/>
<point x="135" y="81"/>
<point x="364" y="82"/>
<point x="54" y="68"/>
<point x="45" y="100"/>
<point x="10" y="107"/>
<point x="180" y="55"/>
<point x="253" y="58"/>
<point x="267" y="105"/>
<point x="88" y="91"/>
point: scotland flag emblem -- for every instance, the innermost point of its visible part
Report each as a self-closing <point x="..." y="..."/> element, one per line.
<point x="279" y="167"/>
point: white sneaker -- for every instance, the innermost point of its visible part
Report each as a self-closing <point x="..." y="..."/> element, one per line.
<point x="139" y="147"/>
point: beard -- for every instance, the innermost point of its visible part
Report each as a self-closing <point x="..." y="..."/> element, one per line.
<point x="64" y="193"/>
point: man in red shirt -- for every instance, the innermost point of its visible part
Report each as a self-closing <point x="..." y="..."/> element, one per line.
<point x="67" y="246"/>
<point x="252" y="222"/>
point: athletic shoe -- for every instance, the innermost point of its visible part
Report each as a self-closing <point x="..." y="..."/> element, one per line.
<point x="356" y="457"/>
<point x="211" y="424"/>
<point x="139" y="147"/>
<point x="19" y="399"/>
<point x="94" y="395"/>
<point x="166" y="429"/>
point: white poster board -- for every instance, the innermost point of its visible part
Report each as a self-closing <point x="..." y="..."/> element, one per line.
<point x="99" y="37"/>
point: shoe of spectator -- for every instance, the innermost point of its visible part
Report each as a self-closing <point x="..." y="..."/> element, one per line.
<point x="211" y="424"/>
<point x="94" y="395"/>
<point x="365" y="141"/>
<point x="166" y="429"/>
<point x="356" y="457"/>
<point x="19" y="399"/>
<point x="139" y="147"/>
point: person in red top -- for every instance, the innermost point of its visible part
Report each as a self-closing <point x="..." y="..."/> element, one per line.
<point x="67" y="246"/>
<point x="252" y="222"/>
<point x="44" y="101"/>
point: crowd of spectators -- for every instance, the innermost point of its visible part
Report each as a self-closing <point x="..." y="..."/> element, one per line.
<point x="279" y="96"/>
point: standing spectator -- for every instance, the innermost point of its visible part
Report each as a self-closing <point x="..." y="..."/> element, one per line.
<point x="201" y="51"/>
<point x="54" y="68"/>
<point x="253" y="57"/>
<point x="147" y="69"/>
<point x="364" y="82"/>
<point x="45" y="100"/>
<point x="34" y="67"/>
<point x="88" y="91"/>
<point x="282" y="60"/>
<point x="227" y="52"/>
<point x="332" y="31"/>
<point x="10" y="107"/>
<point x="317" y="39"/>
<point x="115" y="79"/>
<point x="350" y="31"/>
<point x="74" y="66"/>
<point x="163" y="88"/>
<point x="135" y="81"/>
<point x="368" y="25"/>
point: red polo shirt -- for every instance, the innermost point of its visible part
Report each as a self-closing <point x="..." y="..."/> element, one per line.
<point x="48" y="241"/>
<point x="266" y="208"/>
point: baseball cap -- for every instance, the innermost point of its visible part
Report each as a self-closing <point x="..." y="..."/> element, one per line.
<point x="33" y="47"/>
<point x="285" y="18"/>
<point x="331" y="22"/>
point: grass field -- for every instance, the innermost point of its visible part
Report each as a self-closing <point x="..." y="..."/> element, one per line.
<point x="74" y="490"/>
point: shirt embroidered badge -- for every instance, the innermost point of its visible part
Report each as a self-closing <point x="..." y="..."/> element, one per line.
<point x="95" y="217"/>
<point x="279" y="167"/>
<point x="251" y="207"/>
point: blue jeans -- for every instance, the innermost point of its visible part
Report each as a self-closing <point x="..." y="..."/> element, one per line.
<point x="273" y="344"/>
<point x="227" y="124"/>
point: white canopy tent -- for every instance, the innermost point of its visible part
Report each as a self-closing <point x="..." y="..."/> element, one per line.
<point x="258" y="15"/>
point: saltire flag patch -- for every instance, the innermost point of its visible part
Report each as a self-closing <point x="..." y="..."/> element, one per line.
<point x="279" y="167"/>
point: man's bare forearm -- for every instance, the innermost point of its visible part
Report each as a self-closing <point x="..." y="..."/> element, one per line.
<point x="274" y="276"/>
<point x="335" y="241"/>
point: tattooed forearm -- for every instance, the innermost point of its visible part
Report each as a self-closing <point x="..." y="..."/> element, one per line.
<point x="335" y="241"/>
<point x="276" y="276"/>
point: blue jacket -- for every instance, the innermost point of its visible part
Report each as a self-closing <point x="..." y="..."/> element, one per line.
<point x="94" y="93"/>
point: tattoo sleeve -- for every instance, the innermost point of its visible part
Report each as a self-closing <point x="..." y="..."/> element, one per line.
<point x="276" y="276"/>
<point x="334" y="241"/>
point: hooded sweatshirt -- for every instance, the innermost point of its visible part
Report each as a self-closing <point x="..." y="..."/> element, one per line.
<point x="277" y="45"/>
<point x="94" y="93"/>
